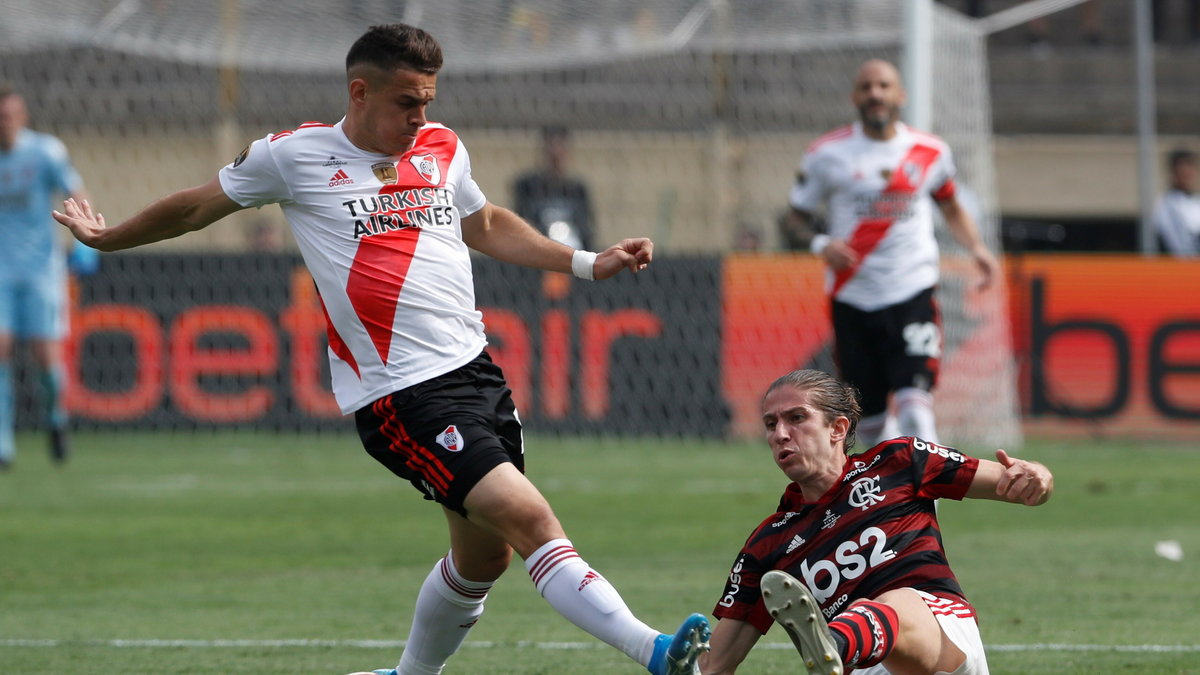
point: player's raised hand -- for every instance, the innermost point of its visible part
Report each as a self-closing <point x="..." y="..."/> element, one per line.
<point x="634" y="253"/>
<point x="839" y="255"/>
<point x="79" y="218"/>
<point x="989" y="267"/>
<point x="1024" y="482"/>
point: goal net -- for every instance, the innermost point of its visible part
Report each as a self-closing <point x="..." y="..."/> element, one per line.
<point x="687" y="119"/>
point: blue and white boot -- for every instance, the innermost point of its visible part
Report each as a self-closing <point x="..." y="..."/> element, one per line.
<point x="679" y="654"/>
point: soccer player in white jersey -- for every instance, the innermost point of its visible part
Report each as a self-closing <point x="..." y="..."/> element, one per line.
<point x="876" y="177"/>
<point x="34" y="168"/>
<point x="383" y="207"/>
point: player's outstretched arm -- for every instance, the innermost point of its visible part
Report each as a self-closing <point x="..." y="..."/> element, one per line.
<point x="1009" y="479"/>
<point x="634" y="254"/>
<point x="966" y="232"/>
<point x="179" y="213"/>
<point x="501" y="234"/>
<point x="731" y="642"/>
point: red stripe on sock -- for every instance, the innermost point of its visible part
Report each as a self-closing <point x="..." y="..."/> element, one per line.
<point x="550" y="560"/>
<point x="869" y="629"/>
<point x="448" y="577"/>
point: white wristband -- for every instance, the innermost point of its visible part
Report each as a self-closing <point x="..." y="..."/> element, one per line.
<point x="582" y="264"/>
<point x="819" y="242"/>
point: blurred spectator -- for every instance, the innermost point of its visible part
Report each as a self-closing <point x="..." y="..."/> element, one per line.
<point x="747" y="238"/>
<point x="1177" y="216"/>
<point x="1040" y="36"/>
<point x="1164" y="18"/>
<point x="265" y="237"/>
<point x="552" y="200"/>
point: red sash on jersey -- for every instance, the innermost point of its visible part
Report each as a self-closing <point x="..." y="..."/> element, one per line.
<point x="381" y="263"/>
<point x="905" y="180"/>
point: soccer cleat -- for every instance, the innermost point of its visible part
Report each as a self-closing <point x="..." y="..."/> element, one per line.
<point x="793" y="606"/>
<point x="59" y="448"/>
<point x="381" y="671"/>
<point x="679" y="654"/>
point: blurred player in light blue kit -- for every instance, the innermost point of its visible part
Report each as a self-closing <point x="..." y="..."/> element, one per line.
<point x="34" y="170"/>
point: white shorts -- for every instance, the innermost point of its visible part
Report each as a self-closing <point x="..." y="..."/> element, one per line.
<point x="958" y="623"/>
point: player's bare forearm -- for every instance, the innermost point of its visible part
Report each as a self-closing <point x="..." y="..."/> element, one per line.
<point x="1009" y="479"/>
<point x="176" y="214"/>
<point x="797" y="229"/>
<point x="501" y="234"/>
<point x="965" y="231"/>
<point x="962" y="226"/>
<point x="731" y="642"/>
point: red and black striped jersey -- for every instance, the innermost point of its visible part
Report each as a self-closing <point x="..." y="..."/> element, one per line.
<point x="875" y="530"/>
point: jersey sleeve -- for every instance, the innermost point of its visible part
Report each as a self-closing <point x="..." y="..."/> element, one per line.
<point x="62" y="176"/>
<point x="468" y="198"/>
<point x="809" y="190"/>
<point x="741" y="599"/>
<point x="254" y="177"/>
<point x="940" y="471"/>
<point x="942" y="186"/>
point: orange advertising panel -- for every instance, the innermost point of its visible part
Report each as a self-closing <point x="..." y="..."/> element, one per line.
<point x="1105" y="345"/>
<point x="775" y="319"/>
<point x="1108" y="344"/>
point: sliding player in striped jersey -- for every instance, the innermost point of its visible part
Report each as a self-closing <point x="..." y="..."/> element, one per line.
<point x="852" y="564"/>
<point x="876" y="177"/>
<point x="385" y="210"/>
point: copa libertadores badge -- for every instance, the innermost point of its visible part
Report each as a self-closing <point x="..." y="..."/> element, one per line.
<point x="385" y="172"/>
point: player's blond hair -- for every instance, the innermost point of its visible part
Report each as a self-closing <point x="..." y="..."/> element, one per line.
<point x="828" y="394"/>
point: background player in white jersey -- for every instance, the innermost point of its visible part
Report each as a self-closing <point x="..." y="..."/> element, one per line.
<point x="383" y="208"/>
<point x="875" y="176"/>
<point x="855" y="540"/>
<point x="34" y="168"/>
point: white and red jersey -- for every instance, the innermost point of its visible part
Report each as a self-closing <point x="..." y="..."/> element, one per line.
<point x="382" y="237"/>
<point x="875" y="193"/>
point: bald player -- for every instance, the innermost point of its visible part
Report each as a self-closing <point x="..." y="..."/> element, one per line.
<point x="878" y="181"/>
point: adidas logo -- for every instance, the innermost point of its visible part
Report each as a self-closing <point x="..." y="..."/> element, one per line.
<point x="797" y="542"/>
<point x="340" y="178"/>
<point x="588" y="578"/>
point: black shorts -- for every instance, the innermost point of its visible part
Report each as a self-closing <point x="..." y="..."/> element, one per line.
<point x="888" y="349"/>
<point x="445" y="434"/>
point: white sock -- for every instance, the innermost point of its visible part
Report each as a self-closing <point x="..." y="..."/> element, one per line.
<point x="914" y="410"/>
<point x="447" y="607"/>
<point x="587" y="600"/>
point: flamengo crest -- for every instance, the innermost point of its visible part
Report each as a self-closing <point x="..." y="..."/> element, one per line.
<point x="865" y="492"/>
<point x="427" y="166"/>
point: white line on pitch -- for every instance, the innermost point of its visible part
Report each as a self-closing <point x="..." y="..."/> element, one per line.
<point x="399" y="644"/>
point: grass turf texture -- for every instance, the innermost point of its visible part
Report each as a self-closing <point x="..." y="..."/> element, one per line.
<point x="260" y="538"/>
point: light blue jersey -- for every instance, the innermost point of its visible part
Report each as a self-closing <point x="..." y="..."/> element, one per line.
<point x="33" y="175"/>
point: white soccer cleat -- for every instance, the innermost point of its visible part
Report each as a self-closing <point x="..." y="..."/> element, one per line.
<point x="794" y="607"/>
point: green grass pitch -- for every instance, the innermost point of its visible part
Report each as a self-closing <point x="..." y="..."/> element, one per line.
<point x="249" y="553"/>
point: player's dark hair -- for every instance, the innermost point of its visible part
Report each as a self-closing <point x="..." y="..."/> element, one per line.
<point x="1180" y="156"/>
<point x="396" y="46"/>
<point x="6" y="90"/>
<point x="828" y="394"/>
